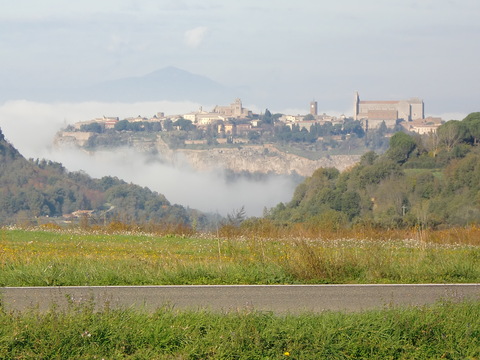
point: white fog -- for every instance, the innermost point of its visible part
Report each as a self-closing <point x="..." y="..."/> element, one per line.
<point x="31" y="127"/>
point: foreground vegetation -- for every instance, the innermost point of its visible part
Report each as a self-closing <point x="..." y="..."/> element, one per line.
<point x="430" y="181"/>
<point x="416" y="333"/>
<point x="256" y="252"/>
<point x="100" y="257"/>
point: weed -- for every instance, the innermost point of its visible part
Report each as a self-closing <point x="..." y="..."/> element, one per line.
<point x="94" y="257"/>
<point x="444" y="330"/>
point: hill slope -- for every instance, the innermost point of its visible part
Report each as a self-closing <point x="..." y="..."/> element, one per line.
<point x="430" y="181"/>
<point x="32" y="189"/>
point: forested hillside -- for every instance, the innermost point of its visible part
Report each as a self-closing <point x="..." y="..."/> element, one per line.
<point x="431" y="180"/>
<point x="31" y="189"/>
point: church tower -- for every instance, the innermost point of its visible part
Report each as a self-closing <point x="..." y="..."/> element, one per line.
<point x="356" y="106"/>
<point x="314" y="108"/>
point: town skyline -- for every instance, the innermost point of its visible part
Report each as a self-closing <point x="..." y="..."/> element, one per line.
<point x="276" y="52"/>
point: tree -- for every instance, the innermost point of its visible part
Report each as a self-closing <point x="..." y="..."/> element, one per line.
<point x="432" y="143"/>
<point x="237" y="216"/>
<point x="353" y="127"/>
<point x="167" y="125"/>
<point x="451" y="133"/>
<point x="93" y="127"/>
<point x="267" y="118"/>
<point x="121" y="125"/>
<point x="185" y="125"/>
<point x="368" y="158"/>
<point x="472" y="122"/>
<point x="401" y="147"/>
<point x="350" y="204"/>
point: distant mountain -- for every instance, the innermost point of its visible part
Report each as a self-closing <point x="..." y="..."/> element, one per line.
<point x="36" y="189"/>
<point x="169" y="83"/>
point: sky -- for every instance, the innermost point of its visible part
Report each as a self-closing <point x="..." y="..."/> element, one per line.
<point x="286" y="53"/>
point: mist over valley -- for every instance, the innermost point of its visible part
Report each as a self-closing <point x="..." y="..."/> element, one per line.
<point x="31" y="128"/>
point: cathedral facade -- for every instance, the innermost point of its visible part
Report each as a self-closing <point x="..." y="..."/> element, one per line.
<point x="373" y="113"/>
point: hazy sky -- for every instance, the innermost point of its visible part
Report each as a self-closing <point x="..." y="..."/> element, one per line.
<point x="289" y="52"/>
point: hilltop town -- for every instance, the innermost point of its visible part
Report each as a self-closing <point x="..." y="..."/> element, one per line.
<point x="318" y="138"/>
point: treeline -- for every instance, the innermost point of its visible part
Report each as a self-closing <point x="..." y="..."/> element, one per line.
<point x="30" y="189"/>
<point x="296" y="133"/>
<point x="430" y="181"/>
<point x="123" y="125"/>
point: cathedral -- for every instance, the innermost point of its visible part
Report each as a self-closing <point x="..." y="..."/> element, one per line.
<point x="373" y="113"/>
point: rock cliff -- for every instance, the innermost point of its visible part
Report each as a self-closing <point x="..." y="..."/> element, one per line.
<point x="245" y="158"/>
<point x="257" y="159"/>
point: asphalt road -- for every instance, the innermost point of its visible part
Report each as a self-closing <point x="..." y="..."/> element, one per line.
<point x="274" y="298"/>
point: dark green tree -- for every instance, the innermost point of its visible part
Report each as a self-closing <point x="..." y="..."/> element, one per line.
<point x="93" y="127"/>
<point x="401" y="147"/>
<point x="472" y="122"/>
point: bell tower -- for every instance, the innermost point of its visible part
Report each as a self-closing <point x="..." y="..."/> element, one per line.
<point x="356" y="102"/>
<point x="314" y="108"/>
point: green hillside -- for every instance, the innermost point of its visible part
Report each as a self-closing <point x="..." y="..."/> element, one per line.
<point x="35" y="189"/>
<point x="430" y="180"/>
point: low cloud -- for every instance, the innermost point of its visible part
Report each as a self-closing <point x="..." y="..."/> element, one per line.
<point x="31" y="127"/>
<point x="194" y="37"/>
<point x="207" y="191"/>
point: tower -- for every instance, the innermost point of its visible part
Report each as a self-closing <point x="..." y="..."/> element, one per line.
<point x="314" y="108"/>
<point x="356" y="102"/>
<point x="237" y="107"/>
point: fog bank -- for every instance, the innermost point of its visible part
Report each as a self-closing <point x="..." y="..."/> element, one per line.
<point x="31" y="127"/>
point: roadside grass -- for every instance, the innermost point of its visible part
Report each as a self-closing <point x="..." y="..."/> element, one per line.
<point x="441" y="331"/>
<point x="86" y="257"/>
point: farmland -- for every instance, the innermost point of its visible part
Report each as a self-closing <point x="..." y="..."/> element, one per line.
<point x="49" y="256"/>
<point x="39" y="257"/>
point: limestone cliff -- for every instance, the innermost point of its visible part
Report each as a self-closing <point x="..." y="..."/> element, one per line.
<point x="256" y="159"/>
<point x="250" y="158"/>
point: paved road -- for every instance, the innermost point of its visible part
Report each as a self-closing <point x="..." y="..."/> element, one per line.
<point x="275" y="298"/>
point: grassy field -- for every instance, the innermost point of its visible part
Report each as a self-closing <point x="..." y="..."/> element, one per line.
<point x="442" y="331"/>
<point x="76" y="257"/>
<point x="50" y="256"/>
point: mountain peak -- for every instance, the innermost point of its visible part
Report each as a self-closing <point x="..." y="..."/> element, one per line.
<point x="172" y="73"/>
<point x="168" y="83"/>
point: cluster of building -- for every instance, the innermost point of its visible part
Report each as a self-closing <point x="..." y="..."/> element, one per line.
<point x="235" y="119"/>
<point x="227" y="116"/>
<point x="408" y="113"/>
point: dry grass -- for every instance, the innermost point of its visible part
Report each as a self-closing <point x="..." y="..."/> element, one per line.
<point x="242" y="256"/>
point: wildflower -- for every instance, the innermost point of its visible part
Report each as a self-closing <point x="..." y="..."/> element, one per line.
<point x="286" y="353"/>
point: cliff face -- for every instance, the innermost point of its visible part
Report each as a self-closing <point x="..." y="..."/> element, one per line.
<point x="252" y="158"/>
<point x="261" y="159"/>
<point x="249" y="158"/>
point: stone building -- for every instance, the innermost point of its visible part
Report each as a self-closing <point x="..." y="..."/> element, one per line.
<point x="373" y="113"/>
<point x="428" y="125"/>
<point x="235" y="110"/>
